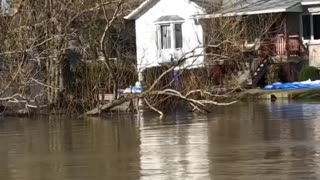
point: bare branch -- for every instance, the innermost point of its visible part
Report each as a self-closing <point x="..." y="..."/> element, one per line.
<point x="153" y="108"/>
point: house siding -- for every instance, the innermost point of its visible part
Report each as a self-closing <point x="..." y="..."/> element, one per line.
<point x="313" y="46"/>
<point x="314" y="55"/>
<point x="293" y="24"/>
<point x="146" y="32"/>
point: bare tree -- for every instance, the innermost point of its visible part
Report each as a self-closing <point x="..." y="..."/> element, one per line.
<point x="248" y="37"/>
<point x="60" y="53"/>
<point x="43" y="42"/>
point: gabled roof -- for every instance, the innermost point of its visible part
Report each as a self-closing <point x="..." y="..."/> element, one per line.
<point x="237" y="7"/>
<point x="207" y="5"/>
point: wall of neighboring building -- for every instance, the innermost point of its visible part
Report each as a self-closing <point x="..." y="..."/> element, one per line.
<point x="313" y="45"/>
<point x="293" y="23"/>
<point x="314" y="55"/>
<point x="146" y="32"/>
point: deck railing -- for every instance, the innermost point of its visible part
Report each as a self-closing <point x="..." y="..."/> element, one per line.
<point x="288" y="46"/>
<point x="280" y="45"/>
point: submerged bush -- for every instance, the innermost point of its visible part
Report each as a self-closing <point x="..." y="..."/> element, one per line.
<point x="273" y="74"/>
<point x="310" y="72"/>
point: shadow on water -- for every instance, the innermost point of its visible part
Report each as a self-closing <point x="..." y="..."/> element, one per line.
<point x="243" y="141"/>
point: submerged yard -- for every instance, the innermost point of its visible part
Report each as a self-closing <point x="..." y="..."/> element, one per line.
<point x="242" y="141"/>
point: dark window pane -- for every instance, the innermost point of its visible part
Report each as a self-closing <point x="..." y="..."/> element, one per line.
<point x="306" y="26"/>
<point x="165" y="37"/>
<point x="178" y="34"/>
<point x="316" y="26"/>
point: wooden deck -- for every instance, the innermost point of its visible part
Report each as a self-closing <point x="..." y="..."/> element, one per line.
<point x="285" y="48"/>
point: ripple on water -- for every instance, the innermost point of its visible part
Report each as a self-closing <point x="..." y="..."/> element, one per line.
<point x="242" y="141"/>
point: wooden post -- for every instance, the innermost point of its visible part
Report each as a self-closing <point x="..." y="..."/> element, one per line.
<point x="137" y="106"/>
<point x="286" y="35"/>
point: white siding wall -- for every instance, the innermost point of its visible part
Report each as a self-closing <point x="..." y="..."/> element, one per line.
<point x="314" y="55"/>
<point x="146" y="36"/>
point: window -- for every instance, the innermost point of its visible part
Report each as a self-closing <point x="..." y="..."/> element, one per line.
<point x="311" y="27"/>
<point x="171" y="36"/>
<point x="178" y="33"/>
<point x="306" y="24"/>
<point x="165" y="37"/>
<point x="316" y="26"/>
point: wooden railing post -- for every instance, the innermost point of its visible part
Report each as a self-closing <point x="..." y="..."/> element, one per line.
<point x="294" y="46"/>
<point x="287" y="45"/>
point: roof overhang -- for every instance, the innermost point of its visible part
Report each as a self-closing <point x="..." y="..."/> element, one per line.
<point x="267" y="11"/>
<point x="169" y="19"/>
<point x="295" y="8"/>
<point x="308" y="3"/>
<point x="136" y="13"/>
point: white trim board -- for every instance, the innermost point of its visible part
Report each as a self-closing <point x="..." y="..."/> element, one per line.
<point x="307" y="3"/>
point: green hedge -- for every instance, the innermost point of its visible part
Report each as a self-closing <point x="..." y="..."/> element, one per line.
<point x="310" y="72"/>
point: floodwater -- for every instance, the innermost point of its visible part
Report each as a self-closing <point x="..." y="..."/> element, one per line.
<point x="244" y="141"/>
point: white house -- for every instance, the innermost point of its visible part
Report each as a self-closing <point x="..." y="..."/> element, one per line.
<point x="167" y="30"/>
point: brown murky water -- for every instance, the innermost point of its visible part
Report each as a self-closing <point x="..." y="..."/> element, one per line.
<point x="243" y="141"/>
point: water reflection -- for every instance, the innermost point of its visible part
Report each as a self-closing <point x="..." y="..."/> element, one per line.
<point x="242" y="141"/>
<point x="64" y="149"/>
<point x="175" y="150"/>
<point x="274" y="143"/>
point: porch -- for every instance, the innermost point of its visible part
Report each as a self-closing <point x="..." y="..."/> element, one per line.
<point x="285" y="48"/>
<point x="287" y="52"/>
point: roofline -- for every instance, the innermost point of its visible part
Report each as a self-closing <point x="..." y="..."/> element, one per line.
<point x="136" y="11"/>
<point x="169" y="22"/>
<point x="209" y="16"/>
<point x="268" y="11"/>
<point x="306" y="3"/>
<point x="134" y="14"/>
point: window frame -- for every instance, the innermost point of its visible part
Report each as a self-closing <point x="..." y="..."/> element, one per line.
<point x="311" y="40"/>
<point x="175" y="36"/>
<point x="172" y="25"/>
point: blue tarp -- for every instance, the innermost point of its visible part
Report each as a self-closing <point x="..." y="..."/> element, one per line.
<point x="294" y="86"/>
<point x="136" y="89"/>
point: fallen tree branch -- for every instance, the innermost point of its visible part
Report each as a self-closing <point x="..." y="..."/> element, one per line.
<point x="13" y="97"/>
<point x="197" y="104"/>
<point x="153" y="108"/>
<point x="45" y="85"/>
<point x="216" y="103"/>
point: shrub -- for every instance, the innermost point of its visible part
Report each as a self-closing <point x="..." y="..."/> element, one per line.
<point x="310" y="72"/>
<point x="273" y="74"/>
